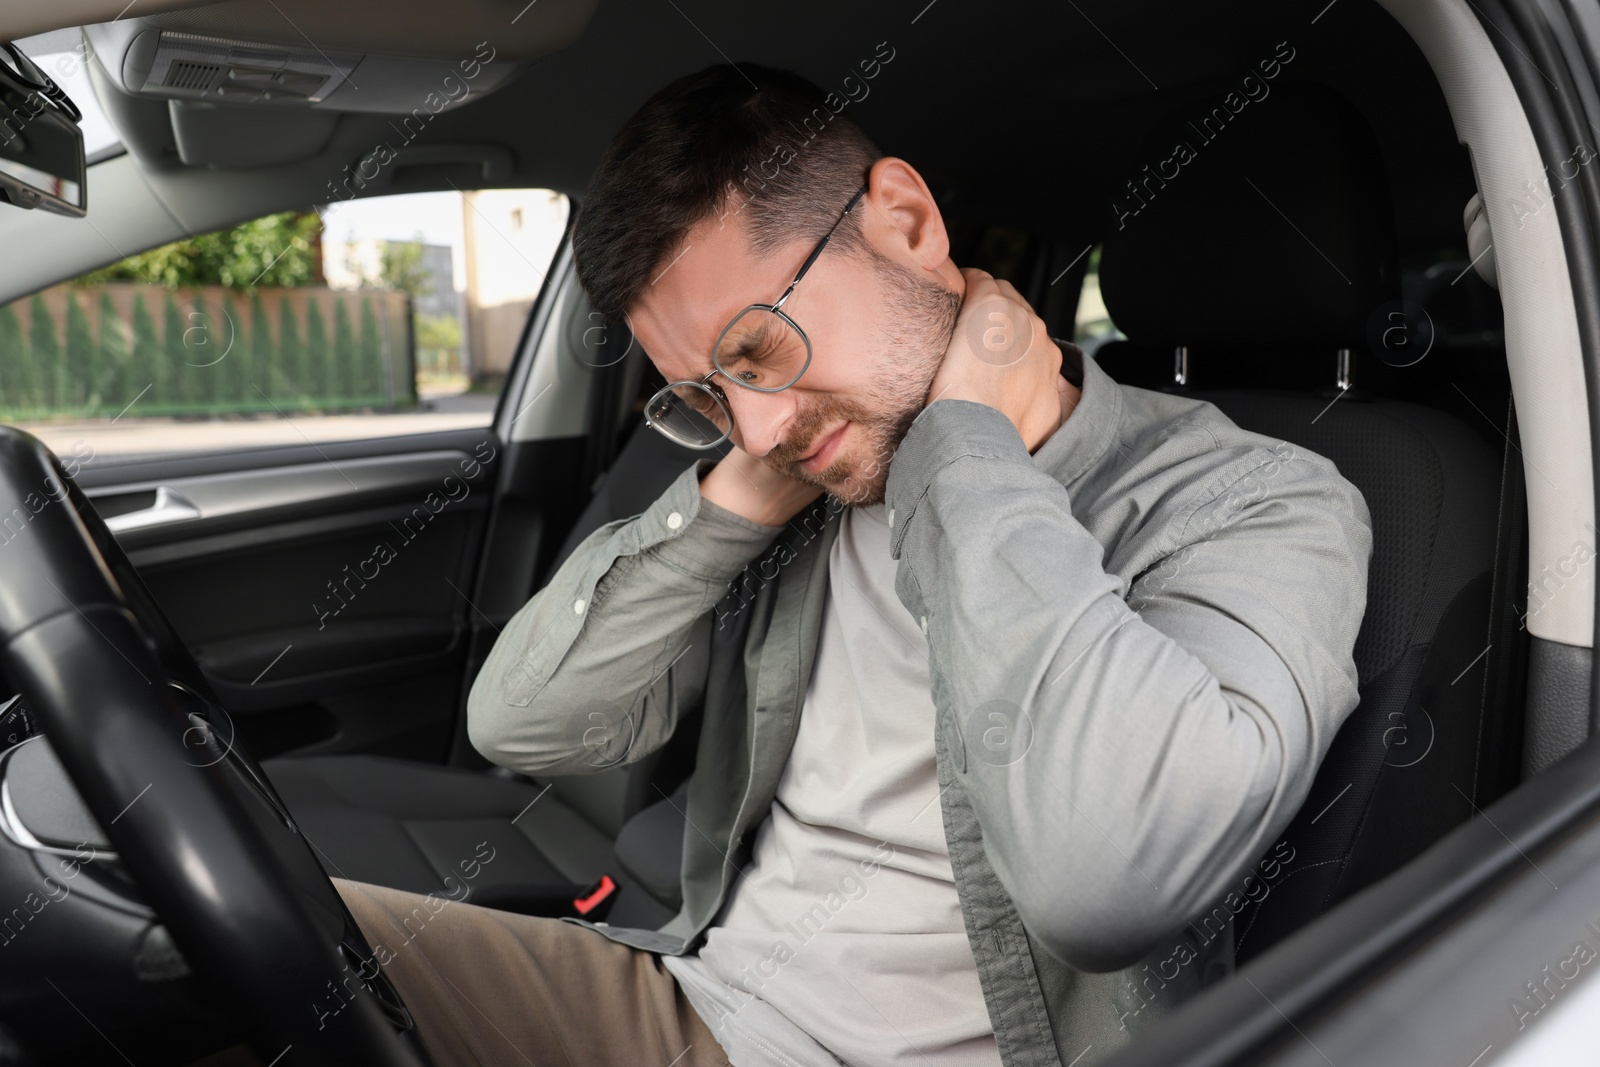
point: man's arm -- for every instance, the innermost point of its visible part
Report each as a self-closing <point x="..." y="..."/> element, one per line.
<point x="1127" y="767"/>
<point x="595" y="670"/>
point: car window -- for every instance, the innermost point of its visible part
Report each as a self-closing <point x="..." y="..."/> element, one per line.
<point x="375" y="317"/>
<point x="1092" y="326"/>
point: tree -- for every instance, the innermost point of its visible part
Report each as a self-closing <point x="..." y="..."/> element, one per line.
<point x="439" y="332"/>
<point x="44" y="352"/>
<point x="344" y="353"/>
<point x="204" y="343"/>
<point x="402" y="268"/>
<point x="276" y="250"/>
<point x="263" y="354"/>
<point x="371" y="353"/>
<point x="180" y="375"/>
<point x="113" y="356"/>
<point x="234" y="381"/>
<point x="16" y="373"/>
<point x="318" y="358"/>
<point x="145" y="368"/>
<point x="291" y="382"/>
<point x="79" y="385"/>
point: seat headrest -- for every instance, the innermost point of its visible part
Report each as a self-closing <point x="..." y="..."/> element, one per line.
<point x="1265" y="226"/>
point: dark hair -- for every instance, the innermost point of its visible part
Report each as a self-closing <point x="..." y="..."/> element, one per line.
<point x="747" y="142"/>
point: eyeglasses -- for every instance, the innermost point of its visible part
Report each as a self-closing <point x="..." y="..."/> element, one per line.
<point x="761" y="348"/>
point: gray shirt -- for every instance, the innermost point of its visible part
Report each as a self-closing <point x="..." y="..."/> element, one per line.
<point x="1139" y="650"/>
<point x="846" y="919"/>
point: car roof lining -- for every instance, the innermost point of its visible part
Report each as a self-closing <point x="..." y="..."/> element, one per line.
<point x="26" y="20"/>
<point x="392" y="27"/>
<point x="1064" y="111"/>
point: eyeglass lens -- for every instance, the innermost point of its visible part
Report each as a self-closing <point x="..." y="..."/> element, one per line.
<point x="690" y="413"/>
<point x="761" y="349"/>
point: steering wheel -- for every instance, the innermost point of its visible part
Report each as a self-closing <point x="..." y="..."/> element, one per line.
<point x="196" y="823"/>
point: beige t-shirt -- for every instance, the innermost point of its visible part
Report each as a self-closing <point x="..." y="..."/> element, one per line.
<point x="846" y="920"/>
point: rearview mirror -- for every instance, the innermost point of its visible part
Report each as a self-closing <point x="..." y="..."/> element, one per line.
<point x="41" y="146"/>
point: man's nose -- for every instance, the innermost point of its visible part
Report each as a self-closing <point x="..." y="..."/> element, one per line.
<point x="760" y="419"/>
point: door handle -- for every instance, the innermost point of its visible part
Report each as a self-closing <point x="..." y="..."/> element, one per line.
<point x="170" y="506"/>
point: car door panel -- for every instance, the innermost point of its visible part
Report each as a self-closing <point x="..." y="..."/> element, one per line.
<point x="321" y="589"/>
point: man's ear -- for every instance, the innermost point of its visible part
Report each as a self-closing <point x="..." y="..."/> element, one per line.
<point x="902" y="218"/>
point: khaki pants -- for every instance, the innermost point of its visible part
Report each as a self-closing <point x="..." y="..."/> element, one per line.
<point x="489" y="987"/>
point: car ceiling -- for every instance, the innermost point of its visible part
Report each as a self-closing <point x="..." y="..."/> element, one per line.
<point x="1022" y="115"/>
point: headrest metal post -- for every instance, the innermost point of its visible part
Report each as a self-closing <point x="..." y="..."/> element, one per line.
<point x="1342" y="376"/>
<point x="1180" y="365"/>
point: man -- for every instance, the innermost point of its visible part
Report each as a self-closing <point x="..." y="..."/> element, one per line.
<point x="1048" y="668"/>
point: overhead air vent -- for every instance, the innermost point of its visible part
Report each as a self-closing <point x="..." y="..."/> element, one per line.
<point x="148" y="59"/>
<point x="184" y="75"/>
<point x="187" y="66"/>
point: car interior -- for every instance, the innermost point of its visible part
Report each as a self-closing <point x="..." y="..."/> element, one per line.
<point x="1313" y="263"/>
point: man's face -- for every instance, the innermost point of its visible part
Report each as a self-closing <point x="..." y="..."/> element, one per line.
<point x="878" y="335"/>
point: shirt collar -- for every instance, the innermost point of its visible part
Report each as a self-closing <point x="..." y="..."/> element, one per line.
<point x="1083" y="438"/>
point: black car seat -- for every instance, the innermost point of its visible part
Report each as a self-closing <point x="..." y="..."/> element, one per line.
<point x="1268" y="253"/>
<point x="412" y="825"/>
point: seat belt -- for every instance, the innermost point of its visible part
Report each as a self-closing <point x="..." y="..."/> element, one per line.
<point x="1500" y="716"/>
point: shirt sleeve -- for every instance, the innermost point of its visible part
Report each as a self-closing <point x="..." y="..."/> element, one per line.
<point x="1127" y="760"/>
<point x="595" y="670"/>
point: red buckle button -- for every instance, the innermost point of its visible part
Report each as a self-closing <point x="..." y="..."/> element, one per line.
<point x="595" y="895"/>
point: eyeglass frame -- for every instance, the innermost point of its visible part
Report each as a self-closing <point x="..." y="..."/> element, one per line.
<point x="776" y="308"/>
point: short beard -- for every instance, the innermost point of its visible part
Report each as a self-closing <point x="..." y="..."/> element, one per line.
<point x="920" y="322"/>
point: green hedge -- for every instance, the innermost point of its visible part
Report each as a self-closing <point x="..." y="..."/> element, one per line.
<point x="191" y="365"/>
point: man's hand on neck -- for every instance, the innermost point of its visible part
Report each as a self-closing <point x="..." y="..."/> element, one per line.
<point x="1001" y="355"/>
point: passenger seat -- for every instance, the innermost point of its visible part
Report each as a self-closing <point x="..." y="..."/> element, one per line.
<point x="1270" y="252"/>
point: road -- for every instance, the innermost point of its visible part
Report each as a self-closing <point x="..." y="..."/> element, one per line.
<point x="129" y="438"/>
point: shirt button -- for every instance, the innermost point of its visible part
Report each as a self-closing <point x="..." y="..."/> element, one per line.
<point x="577" y="606"/>
<point x="891" y="516"/>
<point x="674" y="521"/>
<point x="924" y="626"/>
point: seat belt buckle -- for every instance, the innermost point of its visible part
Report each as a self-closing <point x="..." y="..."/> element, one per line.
<point x="595" y="901"/>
